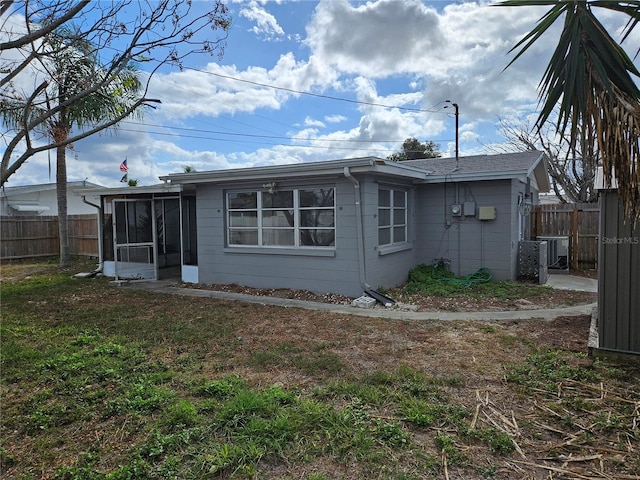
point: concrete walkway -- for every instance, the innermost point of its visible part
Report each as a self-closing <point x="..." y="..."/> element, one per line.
<point x="564" y="281"/>
<point x="560" y="281"/>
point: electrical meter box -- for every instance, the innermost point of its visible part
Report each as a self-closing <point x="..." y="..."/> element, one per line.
<point x="486" y="213"/>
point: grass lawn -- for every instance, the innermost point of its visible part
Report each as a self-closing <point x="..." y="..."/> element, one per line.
<point x="102" y="382"/>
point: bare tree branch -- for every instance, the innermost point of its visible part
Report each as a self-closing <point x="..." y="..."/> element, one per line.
<point x="572" y="173"/>
<point x="45" y="30"/>
<point x="159" y="33"/>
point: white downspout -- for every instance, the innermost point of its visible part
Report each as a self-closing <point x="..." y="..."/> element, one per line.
<point x="359" y="229"/>
<point x="99" y="220"/>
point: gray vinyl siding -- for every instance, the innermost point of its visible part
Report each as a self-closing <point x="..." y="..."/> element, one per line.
<point x="277" y="268"/>
<point x="389" y="269"/>
<point x="618" y="279"/>
<point x="469" y="243"/>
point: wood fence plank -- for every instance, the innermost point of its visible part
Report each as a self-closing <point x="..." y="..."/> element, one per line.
<point x="579" y="222"/>
<point x="37" y="236"/>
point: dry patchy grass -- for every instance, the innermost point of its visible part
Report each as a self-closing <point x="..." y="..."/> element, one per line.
<point x="101" y="382"/>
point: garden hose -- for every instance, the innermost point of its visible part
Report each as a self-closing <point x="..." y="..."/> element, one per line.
<point x="482" y="275"/>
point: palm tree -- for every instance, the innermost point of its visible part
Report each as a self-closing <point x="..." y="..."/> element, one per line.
<point x="72" y="65"/>
<point x="590" y="79"/>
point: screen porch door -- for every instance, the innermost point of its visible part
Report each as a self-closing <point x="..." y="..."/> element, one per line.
<point x="134" y="234"/>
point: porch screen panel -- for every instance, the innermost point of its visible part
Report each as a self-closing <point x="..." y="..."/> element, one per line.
<point x="133" y="222"/>
<point x="168" y="214"/>
<point x="134" y="253"/>
<point x="189" y="231"/>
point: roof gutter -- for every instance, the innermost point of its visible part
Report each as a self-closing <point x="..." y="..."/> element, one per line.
<point x="359" y="229"/>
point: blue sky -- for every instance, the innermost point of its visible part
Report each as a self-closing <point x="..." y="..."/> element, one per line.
<point x="378" y="72"/>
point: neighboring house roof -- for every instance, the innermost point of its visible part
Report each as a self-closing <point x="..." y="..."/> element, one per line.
<point x="39" y="198"/>
<point x="487" y="167"/>
<point x="42" y="187"/>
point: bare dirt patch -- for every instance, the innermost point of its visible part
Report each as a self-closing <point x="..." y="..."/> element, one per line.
<point x="548" y="298"/>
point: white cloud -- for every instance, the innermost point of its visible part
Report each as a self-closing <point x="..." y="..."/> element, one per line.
<point x="376" y="38"/>
<point x="266" y="24"/>
<point x="457" y="53"/>
<point x="335" y="118"/>
<point x="310" y="122"/>
<point x="220" y="89"/>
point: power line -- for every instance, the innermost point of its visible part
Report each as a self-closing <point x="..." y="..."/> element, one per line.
<point x="263" y="143"/>
<point x="218" y="132"/>
<point x="328" y="97"/>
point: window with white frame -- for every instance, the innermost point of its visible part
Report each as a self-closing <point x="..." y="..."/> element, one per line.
<point x="303" y="217"/>
<point x="392" y="216"/>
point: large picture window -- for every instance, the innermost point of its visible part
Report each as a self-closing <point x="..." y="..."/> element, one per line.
<point x="392" y="216"/>
<point x="283" y="218"/>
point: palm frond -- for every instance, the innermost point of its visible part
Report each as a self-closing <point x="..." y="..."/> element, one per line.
<point x="591" y="82"/>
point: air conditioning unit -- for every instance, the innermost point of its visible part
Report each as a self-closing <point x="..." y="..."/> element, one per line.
<point x="557" y="252"/>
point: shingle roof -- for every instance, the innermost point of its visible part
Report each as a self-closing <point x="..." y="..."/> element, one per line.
<point x="505" y="162"/>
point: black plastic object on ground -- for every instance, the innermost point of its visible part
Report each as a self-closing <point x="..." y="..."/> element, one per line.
<point x="383" y="299"/>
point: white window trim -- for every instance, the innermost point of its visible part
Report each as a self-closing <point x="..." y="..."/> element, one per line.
<point x="394" y="246"/>
<point x="297" y="248"/>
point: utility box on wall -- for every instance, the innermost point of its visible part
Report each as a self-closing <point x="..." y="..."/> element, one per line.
<point x="486" y="213"/>
<point x="469" y="209"/>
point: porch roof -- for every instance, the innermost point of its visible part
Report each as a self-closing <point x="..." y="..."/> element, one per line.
<point x="126" y="190"/>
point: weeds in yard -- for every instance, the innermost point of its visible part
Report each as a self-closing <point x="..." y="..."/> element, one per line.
<point x="314" y="362"/>
<point x="435" y="280"/>
<point x="95" y="389"/>
<point x="544" y="369"/>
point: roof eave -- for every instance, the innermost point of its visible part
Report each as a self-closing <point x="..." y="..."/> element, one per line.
<point x="298" y="170"/>
<point x="162" y="188"/>
<point x="477" y="176"/>
<point x="539" y="171"/>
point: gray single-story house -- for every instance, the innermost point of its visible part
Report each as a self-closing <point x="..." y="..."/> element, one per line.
<point x="334" y="226"/>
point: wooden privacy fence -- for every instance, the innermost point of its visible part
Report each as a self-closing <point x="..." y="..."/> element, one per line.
<point x="36" y="236"/>
<point x="578" y="221"/>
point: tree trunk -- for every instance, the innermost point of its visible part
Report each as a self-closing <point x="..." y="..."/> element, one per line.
<point x="61" y="193"/>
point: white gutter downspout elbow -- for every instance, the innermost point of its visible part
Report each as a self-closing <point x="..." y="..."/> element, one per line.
<point x="359" y="229"/>
<point x="99" y="220"/>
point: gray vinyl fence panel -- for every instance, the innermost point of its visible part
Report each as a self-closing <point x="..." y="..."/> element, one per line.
<point x="618" y="279"/>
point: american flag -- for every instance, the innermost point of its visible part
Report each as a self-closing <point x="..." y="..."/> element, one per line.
<point x="123" y="166"/>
